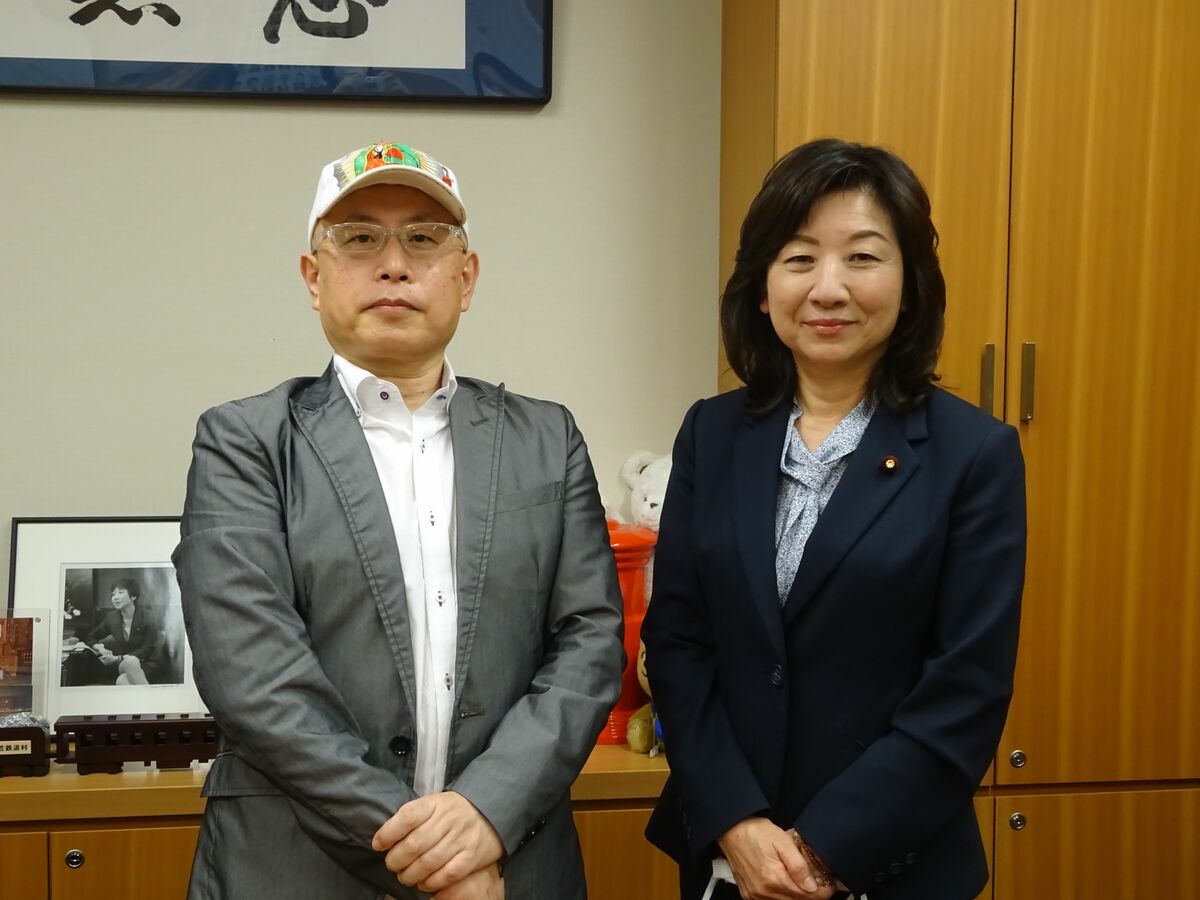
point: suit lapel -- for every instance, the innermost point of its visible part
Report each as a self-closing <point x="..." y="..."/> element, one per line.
<point x="866" y="488"/>
<point x="476" y="418"/>
<point x="325" y="417"/>
<point x="756" y="454"/>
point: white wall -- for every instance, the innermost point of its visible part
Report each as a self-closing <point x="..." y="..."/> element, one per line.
<point x="149" y="252"/>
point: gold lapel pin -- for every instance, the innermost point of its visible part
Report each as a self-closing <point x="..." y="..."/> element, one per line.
<point x="890" y="465"/>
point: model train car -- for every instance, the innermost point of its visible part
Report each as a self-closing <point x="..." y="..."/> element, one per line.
<point x="106" y="743"/>
<point x="25" y="750"/>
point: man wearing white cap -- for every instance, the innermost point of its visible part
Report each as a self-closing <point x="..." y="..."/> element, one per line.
<point x="397" y="587"/>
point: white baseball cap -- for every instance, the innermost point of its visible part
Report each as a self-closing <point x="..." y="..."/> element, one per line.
<point x="386" y="163"/>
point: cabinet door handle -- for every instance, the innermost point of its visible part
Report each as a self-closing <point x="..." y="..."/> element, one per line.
<point x="987" y="380"/>
<point x="1028" y="374"/>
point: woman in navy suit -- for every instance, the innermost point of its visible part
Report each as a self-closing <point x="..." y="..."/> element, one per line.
<point x="838" y="577"/>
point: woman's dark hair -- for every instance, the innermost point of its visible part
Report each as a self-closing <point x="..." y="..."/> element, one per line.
<point x="904" y="375"/>
<point x="130" y="586"/>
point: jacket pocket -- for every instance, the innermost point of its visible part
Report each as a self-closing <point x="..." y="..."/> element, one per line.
<point x="507" y="501"/>
<point x="229" y="776"/>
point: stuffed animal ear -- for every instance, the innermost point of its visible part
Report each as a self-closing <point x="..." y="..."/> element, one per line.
<point x="635" y="465"/>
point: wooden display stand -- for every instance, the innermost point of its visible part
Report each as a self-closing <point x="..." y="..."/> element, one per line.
<point x="132" y="834"/>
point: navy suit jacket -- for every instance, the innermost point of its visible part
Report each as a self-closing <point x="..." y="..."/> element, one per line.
<point x="866" y="709"/>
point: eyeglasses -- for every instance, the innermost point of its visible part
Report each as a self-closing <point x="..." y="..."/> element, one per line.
<point x="422" y="240"/>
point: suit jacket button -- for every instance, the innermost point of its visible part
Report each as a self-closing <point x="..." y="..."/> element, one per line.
<point x="400" y="745"/>
<point x="880" y="878"/>
<point x="911" y="859"/>
<point x="896" y="868"/>
<point x="777" y="675"/>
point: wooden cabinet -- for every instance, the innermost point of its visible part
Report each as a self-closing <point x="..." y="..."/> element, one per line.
<point x="985" y="812"/>
<point x="612" y="799"/>
<point x="1099" y="845"/>
<point x="23" y="872"/>
<point x="619" y="862"/>
<point x="121" y="862"/>
<point x="136" y="831"/>
<point x="1105" y="192"/>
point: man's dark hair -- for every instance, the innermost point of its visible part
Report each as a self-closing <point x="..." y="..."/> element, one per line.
<point x="904" y="375"/>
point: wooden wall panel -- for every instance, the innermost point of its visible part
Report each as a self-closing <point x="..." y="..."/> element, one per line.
<point x="931" y="80"/>
<point x="1106" y="189"/>
<point x="1099" y="846"/>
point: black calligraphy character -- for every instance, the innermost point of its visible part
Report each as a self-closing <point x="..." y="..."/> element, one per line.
<point x="355" y="25"/>
<point x="95" y="8"/>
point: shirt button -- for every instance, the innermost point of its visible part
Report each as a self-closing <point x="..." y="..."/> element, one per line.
<point x="400" y="745"/>
<point x="777" y="675"/>
<point x="384" y="395"/>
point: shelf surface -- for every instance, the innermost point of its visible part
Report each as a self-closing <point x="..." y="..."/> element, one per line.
<point x="611" y="773"/>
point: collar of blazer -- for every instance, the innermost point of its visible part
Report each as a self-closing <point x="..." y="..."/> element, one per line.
<point x="861" y="496"/>
<point x="325" y="417"/>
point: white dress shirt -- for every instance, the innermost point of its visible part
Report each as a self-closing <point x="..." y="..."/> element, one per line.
<point x="414" y="457"/>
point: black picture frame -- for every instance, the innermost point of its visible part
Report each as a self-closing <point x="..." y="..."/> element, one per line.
<point x="61" y="572"/>
<point x="507" y="54"/>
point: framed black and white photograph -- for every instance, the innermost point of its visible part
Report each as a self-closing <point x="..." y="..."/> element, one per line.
<point x="108" y="593"/>
<point x="476" y="50"/>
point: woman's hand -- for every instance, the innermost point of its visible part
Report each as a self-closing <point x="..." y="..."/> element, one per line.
<point x="105" y="655"/>
<point x="767" y="864"/>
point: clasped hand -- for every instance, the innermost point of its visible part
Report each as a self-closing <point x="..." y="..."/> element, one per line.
<point x="443" y="845"/>
<point x="105" y="655"/>
<point x="767" y="864"/>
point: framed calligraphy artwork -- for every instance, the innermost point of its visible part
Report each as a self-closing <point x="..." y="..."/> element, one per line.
<point x="472" y="50"/>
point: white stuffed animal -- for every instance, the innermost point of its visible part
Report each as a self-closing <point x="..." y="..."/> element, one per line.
<point x="646" y="474"/>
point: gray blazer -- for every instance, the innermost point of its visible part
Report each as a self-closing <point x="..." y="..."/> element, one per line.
<point x="295" y="610"/>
